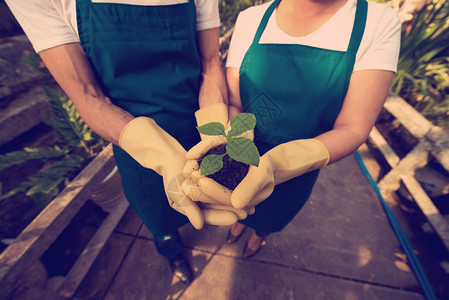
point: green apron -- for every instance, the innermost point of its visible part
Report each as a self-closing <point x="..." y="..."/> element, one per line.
<point x="146" y="60"/>
<point x="295" y="92"/>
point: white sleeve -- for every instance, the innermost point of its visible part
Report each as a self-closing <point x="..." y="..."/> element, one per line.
<point x="42" y="23"/>
<point x="381" y="50"/>
<point x="207" y="14"/>
<point x="242" y="37"/>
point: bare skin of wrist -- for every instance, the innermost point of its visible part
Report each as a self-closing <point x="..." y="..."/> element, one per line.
<point x="71" y="69"/>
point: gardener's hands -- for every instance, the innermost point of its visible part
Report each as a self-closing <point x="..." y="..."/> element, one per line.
<point x="217" y="209"/>
<point x="155" y="149"/>
<point x="217" y="112"/>
<point x="278" y="165"/>
<point x="215" y="212"/>
<point x="213" y="113"/>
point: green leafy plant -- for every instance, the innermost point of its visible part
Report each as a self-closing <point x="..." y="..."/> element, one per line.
<point x="60" y="164"/>
<point x="18" y="157"/>
<point x="229" y="10"/>
<point x="422" y="78"/>
<point x="238" y="148"/>
<point x="67" y="121"/>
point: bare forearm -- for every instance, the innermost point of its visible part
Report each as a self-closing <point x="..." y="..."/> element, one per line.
<point x="103" y="117"/>
<point x="213" y="87"/>
<point x="213" y="84"/>
<point x="341" y="142"/>
<point x="69" y="66"/>
<point x="235" y="103"/>
<point x="366" y="95"/>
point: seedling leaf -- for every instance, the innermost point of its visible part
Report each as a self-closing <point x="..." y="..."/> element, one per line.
<point x="213" y="128"/>
<point x="211" y="164"/>
<point x="241" y="123"/>
<point x="243" y="150"/>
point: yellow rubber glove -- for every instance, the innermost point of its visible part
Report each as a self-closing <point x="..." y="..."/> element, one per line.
<point x="278" y="165"/>
<point x="217" y="209"/>
<point x="155" y="149"/>
<point x="217" y="112"/>
<point x="226" y="215"/>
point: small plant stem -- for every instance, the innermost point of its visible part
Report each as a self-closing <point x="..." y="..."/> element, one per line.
<point x="84" y="145"/>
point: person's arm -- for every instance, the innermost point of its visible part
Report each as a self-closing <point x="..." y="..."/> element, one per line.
<point x="140" y="137"/>
<point x="233" y="81"/>
<point x="213" y="96"/>
<point x="367" y="92"/>
<point x="71" y="69"/>
<point x="213" y="84"/>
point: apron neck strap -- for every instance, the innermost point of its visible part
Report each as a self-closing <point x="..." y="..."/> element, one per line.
<point x="359" y="26"/>
<point x="264" y="21"/>
<point x="357" y="30"/>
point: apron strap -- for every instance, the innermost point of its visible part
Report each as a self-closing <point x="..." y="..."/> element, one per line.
<point x="357" y="30"/>
<point x="359" y="27"/>
<point x="264" y="21"/>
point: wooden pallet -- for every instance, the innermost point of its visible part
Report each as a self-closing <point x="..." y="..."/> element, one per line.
<point x="432" y="141"/>
<point x="50" y="223"/>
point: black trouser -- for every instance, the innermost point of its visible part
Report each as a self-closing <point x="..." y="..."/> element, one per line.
<point x="168" y="245"/>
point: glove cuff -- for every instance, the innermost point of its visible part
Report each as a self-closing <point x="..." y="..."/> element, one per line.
<point x="323" y="151"/>
<point x="149" y="144"/>
<point x="217" y="112"/>
<point x="297" y="157"/>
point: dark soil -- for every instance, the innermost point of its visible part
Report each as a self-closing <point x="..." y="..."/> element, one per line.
<point x="232" y="172"/>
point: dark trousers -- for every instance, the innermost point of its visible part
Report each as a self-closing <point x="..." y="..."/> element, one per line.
<point x="168" y="245"/>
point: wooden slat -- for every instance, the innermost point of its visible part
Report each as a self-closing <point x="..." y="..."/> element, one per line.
<point x="415" y="159"/>
<point x="48" y="225"/>
<point x="440" y="145"/>
<point x="408" y="116"/>
<point x="387" y="152"/>
<point x="427" y="207"/>
<point x="90" y="253"/>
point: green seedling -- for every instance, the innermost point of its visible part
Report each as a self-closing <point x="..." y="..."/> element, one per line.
<point x="238" y="148"/>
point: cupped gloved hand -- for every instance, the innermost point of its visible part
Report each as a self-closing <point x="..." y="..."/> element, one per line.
<point x="278" y="165"/>
<point x="217" y="112"/>
<point x="283" y="162"/>
<point x="155" y="149"/>
<point x="217" y="208"/>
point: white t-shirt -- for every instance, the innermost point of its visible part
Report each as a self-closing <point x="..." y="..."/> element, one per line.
<point x="379" y="48"/>
<point x="49" y="23"/>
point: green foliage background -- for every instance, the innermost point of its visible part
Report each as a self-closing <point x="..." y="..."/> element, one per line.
<point x="229" y="10"/>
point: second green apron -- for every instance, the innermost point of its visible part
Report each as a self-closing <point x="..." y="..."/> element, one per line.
<point x="295" y="92"/>
<point x="146" y="60"/>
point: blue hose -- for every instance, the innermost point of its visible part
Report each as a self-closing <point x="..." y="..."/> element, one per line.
<point x="413" y="260"/>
